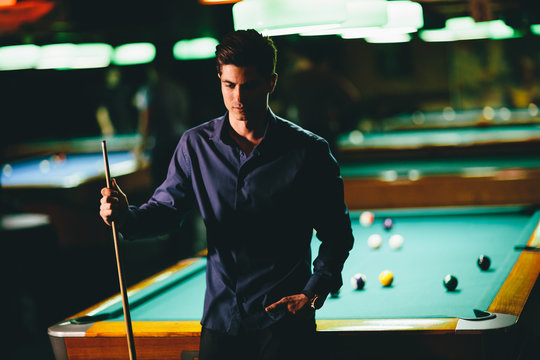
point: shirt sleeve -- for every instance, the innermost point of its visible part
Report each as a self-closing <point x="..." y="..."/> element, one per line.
<point x="331" y="222"/>
<point x="169" y="204"/>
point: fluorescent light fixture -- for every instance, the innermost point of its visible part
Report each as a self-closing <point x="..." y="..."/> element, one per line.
<point x="283" y="17"/>
<point x="404" y="17"/>
<point x="407" y="16"/>
<point x="135" y="53"/>
<point x="388" y="37"/>
<point x="92" y="55"/>
<point x="437" y="35"/>
<point x="535" y="29"/>
<point x="56" y="56"/>
<point x="361" y="14"/>
<point x="465" y="28"/>
<point x="194" y="49"/>
<point x="17" y="57"/>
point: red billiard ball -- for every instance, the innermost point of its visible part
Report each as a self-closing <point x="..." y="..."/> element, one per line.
<point x="366" y="218"/>
<point x="450" y="282"/>
<point x="484" y="262"/>
<point x="388" y="223"/>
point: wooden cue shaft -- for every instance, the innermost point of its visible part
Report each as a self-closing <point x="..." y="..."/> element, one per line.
<point x="123" y="291"/>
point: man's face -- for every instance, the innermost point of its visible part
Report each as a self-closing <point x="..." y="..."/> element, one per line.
<point x="245" y="91"/>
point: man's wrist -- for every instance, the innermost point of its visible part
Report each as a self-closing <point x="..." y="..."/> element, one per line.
<point x="309" y="294"/>
<point x="314" y="299"/>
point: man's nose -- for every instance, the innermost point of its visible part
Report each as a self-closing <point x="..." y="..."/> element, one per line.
<point x="239" y="93"/>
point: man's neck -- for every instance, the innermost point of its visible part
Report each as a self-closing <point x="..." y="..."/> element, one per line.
<point x="248" y="134"/>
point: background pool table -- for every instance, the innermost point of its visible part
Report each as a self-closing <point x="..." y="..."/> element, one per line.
<point x="65" y="186"/>
<point x="441" y="163"/>
<point x="450" y="181"/>
<point x="416" y="314"/>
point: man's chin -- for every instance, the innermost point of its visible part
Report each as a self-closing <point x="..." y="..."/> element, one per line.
<point x="240" y="116"/>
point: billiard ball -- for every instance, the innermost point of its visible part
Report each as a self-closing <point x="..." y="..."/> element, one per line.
<point x="450" y="282"/>
<point x="388" y="223"/>
<point x="396" y="241"/>
<point x="386" y="278"/>
<point x="484" y="262"/>
<point x="358" y="281"/>
<point x="374" y="241"/>
<point x="366" y="218"/>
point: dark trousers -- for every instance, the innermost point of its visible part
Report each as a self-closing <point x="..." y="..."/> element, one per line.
<point x="286" y="341"/>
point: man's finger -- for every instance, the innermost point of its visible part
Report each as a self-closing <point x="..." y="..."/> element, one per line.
<point x="276" y="304"/>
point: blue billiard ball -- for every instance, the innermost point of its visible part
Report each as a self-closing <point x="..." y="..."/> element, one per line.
<point x="388" y="223"/>
<point x="358" y="281"/>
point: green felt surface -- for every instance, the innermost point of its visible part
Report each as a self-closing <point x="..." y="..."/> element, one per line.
<point x="436" y="243"/>
<point x="441" y="137"/>
<point x="458" y="166"/>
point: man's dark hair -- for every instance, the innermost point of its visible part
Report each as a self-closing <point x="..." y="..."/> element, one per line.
<point x="245" y="48"/>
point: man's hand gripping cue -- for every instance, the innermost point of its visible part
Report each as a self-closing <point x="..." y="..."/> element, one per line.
<point x="114" y="204"/>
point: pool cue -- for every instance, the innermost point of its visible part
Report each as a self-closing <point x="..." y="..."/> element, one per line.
<point x="123" y="291"/>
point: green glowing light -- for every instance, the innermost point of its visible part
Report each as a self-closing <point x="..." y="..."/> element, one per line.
<point x="465" y="28"/>
<point x="438" y="35"/>
<point x="282" y="17"/>
<point x="535" y="29"/>
<point x="92" y="55"/>
<point x="360" y="14"/>
<point x="405" y="15"/>
<point x="18" y="57"/>
<point x="194" y="49"/>
<point x="388" y="37"/>
<point x="381" y="20"/>
<point x="56" y="56"/>
<point x="135" y="53"/>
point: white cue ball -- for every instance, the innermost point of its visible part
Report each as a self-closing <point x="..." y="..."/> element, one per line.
<point x="374" y="241"/>
<point x="396" y="241"/>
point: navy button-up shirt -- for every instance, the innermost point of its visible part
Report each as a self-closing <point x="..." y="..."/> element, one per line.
<point x="260" y="211"/>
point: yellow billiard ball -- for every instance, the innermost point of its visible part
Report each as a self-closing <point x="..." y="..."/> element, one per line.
<point x="386" y="278"/>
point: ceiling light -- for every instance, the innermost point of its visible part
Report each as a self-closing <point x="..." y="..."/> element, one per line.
<point x="56" y="56"/>
<point x="91" y="55"/>
<point x="388" y="37"/>
<point x="282" y="17"/>
<point x="17" y="57"/>
<point x="193" y="49"/>
<point x="361" y="14"/>
<point x="465" y="28"/>
<point x="135" y="53"/>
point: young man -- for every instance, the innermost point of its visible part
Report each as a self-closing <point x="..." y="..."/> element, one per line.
<point x="262" y="185"/>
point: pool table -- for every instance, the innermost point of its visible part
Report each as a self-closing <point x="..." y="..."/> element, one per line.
<point x="65" y="186"/>
<point x="415" y="317"/>
<point x="453" y="181"/>
<point x="466" y="141"/>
